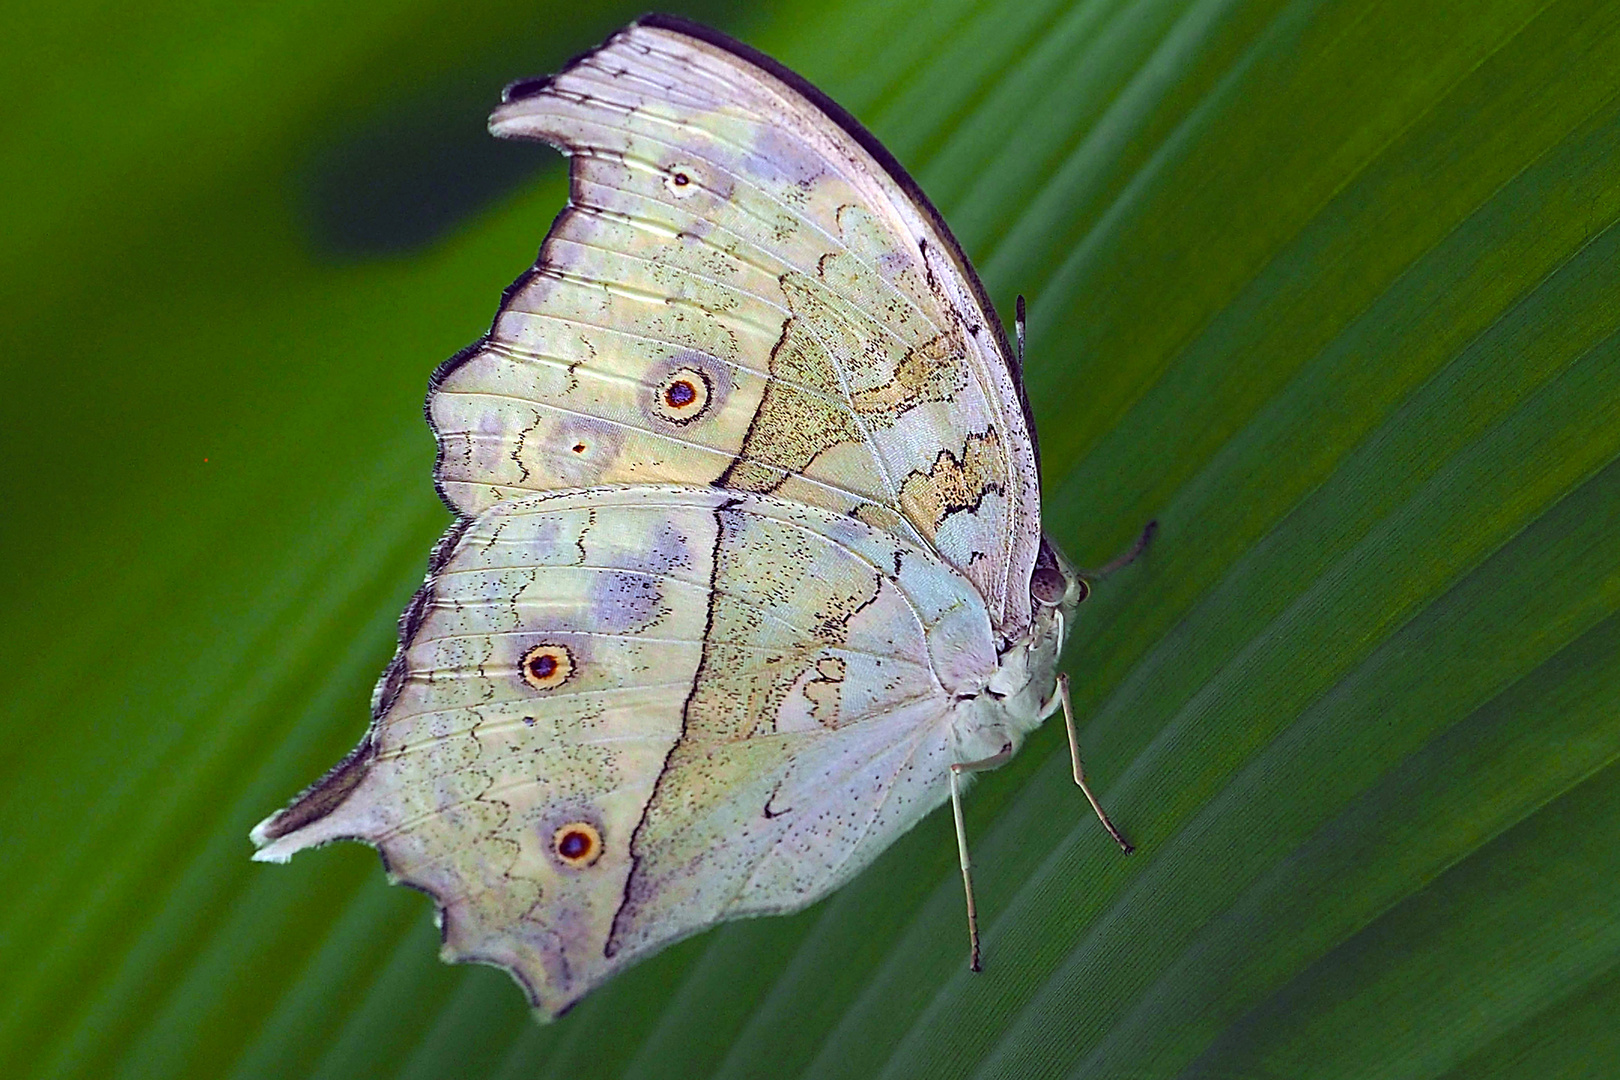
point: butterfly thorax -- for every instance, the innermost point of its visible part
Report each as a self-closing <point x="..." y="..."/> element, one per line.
<point x="1022" y="690"/>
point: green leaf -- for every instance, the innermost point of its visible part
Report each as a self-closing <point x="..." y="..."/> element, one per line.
<point x="1329" y="289"/>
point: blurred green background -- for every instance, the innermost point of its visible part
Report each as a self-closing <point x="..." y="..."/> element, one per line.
<point x="1329" y="288"/>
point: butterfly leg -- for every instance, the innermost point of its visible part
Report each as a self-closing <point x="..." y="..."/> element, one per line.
<point x="957" y="769"/>
<point x="1079" y="769"/>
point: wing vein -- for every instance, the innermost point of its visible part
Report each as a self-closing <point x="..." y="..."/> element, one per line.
<point x="837" y="650"/>
<point x="676" y="268"/>
<point x="788" y="210"/>
<point x="827" y="485"/>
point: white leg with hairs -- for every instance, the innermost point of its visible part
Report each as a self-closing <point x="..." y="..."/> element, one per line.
<point x="1079" y="770"/>
<point x="961" y="841"/>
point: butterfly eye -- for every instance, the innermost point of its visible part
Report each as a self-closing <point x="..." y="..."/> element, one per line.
<point x="1047" y="585"/>
<point x="683" y="395"/>
<point x="1081" y="590"/>
<point x="577" y="844"/>
<point x="546" y="667"/>
<point x="681" y="181"/>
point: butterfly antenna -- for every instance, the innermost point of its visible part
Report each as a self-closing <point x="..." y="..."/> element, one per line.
<point x="1125" y="559"/>
<point x="1018" y="326"/>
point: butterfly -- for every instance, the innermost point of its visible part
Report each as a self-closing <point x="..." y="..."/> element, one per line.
<point x="747" y="574"/>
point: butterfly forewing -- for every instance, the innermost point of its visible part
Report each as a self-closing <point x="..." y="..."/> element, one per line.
<point x="729" y="241"/>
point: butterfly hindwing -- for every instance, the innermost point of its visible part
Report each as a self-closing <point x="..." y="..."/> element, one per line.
<point x="734" y="702"/>
<point x="741" y="293"/>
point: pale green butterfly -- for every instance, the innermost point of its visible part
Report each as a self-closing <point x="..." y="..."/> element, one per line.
<point x="748" y="567"/>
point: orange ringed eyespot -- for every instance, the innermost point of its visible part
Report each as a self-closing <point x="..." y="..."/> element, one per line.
<point x="578" y="844"/>
<point x="547" y="666"/>
<point x="683" y="396"/>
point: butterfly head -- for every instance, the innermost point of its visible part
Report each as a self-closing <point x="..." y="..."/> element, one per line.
<point x="1056" y="589"/>
<point x="1022" y="690"/>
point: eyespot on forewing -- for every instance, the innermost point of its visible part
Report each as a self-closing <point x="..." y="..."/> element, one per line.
<point x="682" y="396"/>
<point x="547" y="666"/>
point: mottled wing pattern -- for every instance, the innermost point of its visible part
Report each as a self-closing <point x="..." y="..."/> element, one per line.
<point x="745" y="290"/>
<point x="620" y="715"/>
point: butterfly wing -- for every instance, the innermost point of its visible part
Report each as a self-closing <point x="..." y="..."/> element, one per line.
<point x="620" y="715"/>
<point x="745" y="290"/>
